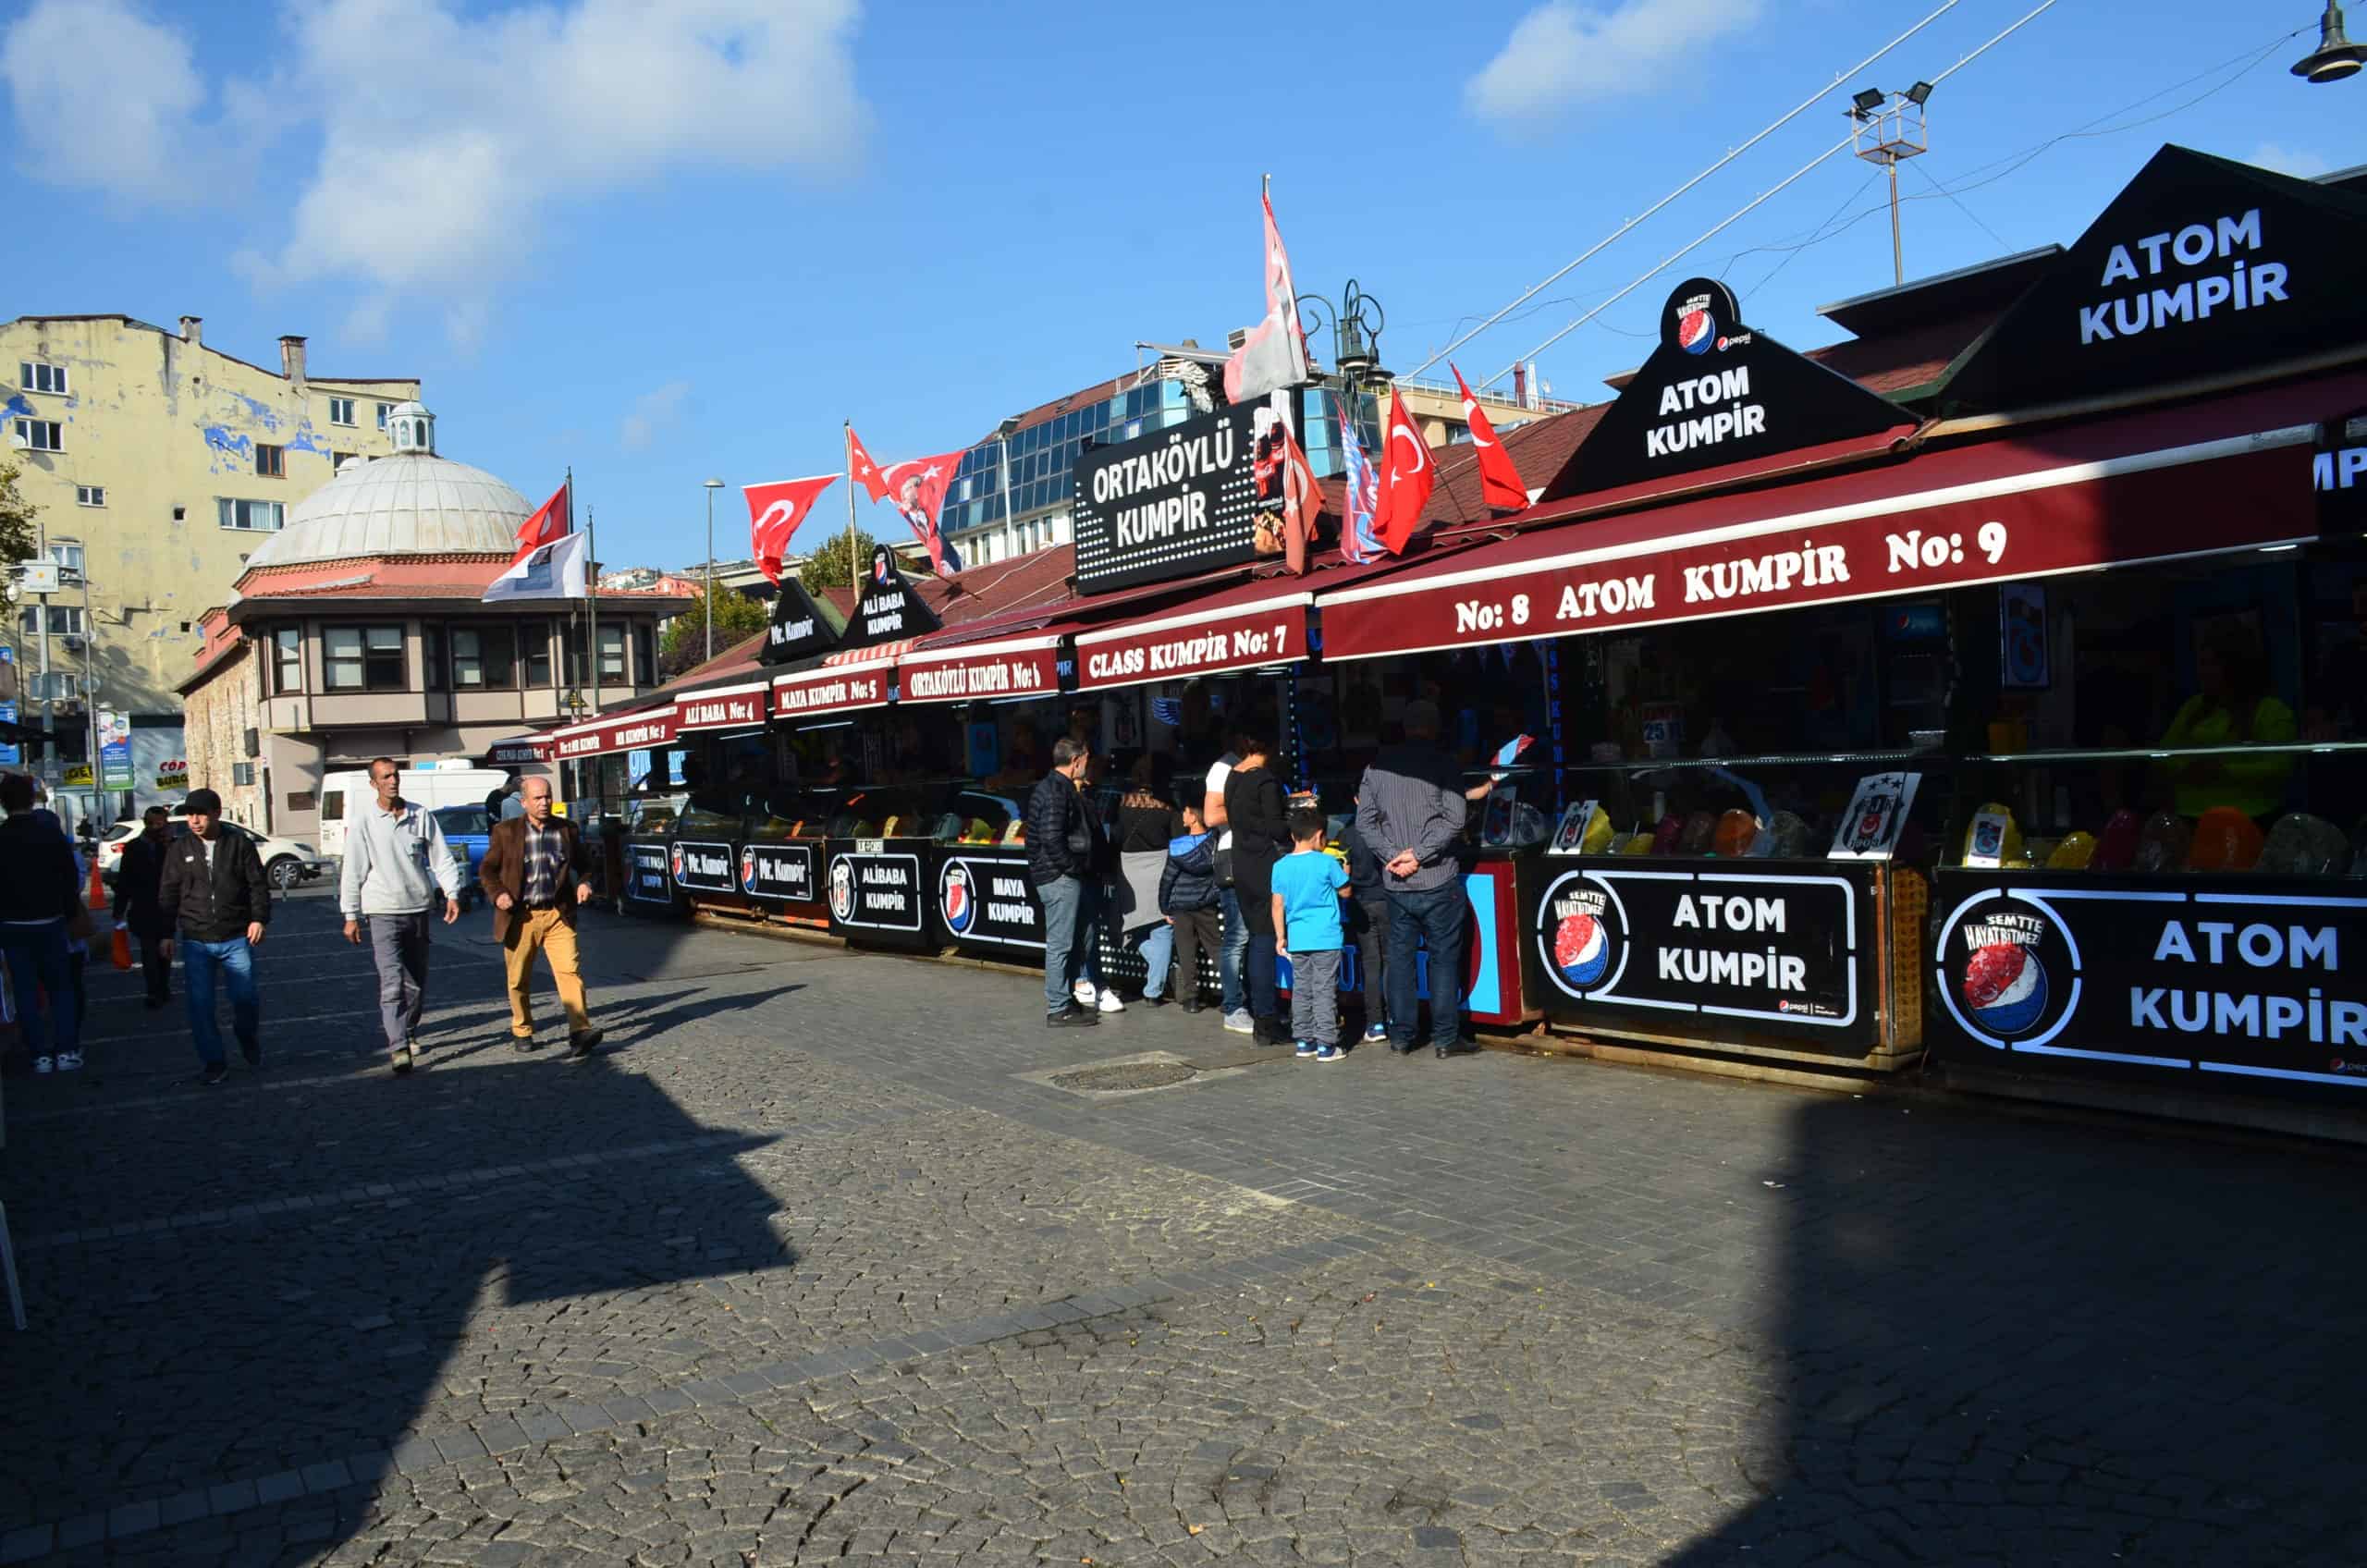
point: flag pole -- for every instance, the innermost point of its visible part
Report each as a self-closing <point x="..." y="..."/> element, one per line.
<point x="846" y="456"/>
<point x="590" y="591"/>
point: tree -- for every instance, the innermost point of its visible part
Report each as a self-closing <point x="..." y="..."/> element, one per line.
<point x="737" y="616"/>
<point x="18" y="541"/>
<point x="830" y="566"/>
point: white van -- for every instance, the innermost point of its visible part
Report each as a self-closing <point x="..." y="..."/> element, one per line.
<point x="430" y="784"/>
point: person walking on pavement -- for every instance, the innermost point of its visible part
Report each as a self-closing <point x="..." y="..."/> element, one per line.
<point x="504" y="804"/>
<point x="1255" y="804"/>
<point x="1410" y="812"/>
<point x="536" y="871"/>
<point x="39" y="897"/>
<point x="396" y="862"/>
<point x="135" y="902"/>
<point x="213" y="892"/>
<point x="1060" y="862"/>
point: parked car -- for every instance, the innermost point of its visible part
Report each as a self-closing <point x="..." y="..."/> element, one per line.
<point x="286" y="861"/>
<point x="467" y="830"/>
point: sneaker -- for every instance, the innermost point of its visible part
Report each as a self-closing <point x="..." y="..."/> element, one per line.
<point x="1376" y="1032"/>
<point x="1306" y="1049"/>
<point x="579" y="1047"/>
<point x="1109" y="1002"/>
<point x="1330" y="1053"/>
<point x="524" y="1043"/>
<point x="43" y="1064"/>
<point x="1083" y="991"/>
<point x="69" y="1061"/>
<point x="214" y="1072"/>
<point x="402" y="1061"/>
<point x="1270" y="1031"/>
<point x="1240" y="1022"/>
<point x="1071" y="1018"/>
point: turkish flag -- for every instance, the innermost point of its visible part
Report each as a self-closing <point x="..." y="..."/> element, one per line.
<point x="861" y="470"/>
<point x="1302" y="503"/>
<point x="775" y="512"/>
<point x="1274" y="353"/>
<point x="1406" y="491"/>
<point x="916" y="488"/>
<point x="1500" y="483"/>
<point x="552" y="522"/>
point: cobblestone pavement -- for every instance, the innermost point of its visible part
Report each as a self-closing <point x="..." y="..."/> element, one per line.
<point x="815" y="1261"/>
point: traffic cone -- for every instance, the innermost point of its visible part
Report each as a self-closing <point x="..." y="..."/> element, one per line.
<point x="95" y="894"/>
<point x="120" y="948"/>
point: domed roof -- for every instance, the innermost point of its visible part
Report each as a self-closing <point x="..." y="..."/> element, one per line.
<point x="411" y="504"/>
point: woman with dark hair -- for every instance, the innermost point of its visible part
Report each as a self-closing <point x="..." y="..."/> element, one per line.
<point x="2233" y="709"/>
<point x="1255" y="807"/>
<point x="1147" y="824"/>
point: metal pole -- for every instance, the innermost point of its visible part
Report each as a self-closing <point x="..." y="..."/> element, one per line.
<point x="1897" y="256"/>
<point x="847" y="456"/>
<point x="710" y="574"/>
<point x="48" y="705"/>
<point x="592" y="605"/>
<point x="1010" y="528"/>
<point x="90" y="695"/>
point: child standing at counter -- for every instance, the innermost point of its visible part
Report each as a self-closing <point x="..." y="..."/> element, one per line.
<point x="1308" y="886"/>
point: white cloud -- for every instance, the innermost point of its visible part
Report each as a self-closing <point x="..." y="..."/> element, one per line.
<point x="1561" y="55"/>
<point x="2299" y="162"/>
<point x="434" y="144"/>
<point x="104" y="97"/>
<point x="653" y="413"/>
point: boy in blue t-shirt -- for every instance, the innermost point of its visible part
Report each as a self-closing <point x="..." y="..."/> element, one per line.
<point x="1308" y="886"/>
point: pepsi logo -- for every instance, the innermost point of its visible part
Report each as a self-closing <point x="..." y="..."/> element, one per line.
<point x="1582" y="950"/>
<point x="2004" y="985"/>
<point x="879" y="567"/>
<point x="1695" y="331"/>
<point x="748" y="870"/>
<point x="957" y="897"/>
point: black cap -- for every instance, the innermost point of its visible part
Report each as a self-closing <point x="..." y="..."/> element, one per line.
<point x="204" y="800"/>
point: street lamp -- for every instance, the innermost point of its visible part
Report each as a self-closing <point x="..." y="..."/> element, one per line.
<point x="712" y="485"/>
<point x="2336" y="57"/>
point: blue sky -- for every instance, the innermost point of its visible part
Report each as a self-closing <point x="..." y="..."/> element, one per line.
<point x="660" y="242"/>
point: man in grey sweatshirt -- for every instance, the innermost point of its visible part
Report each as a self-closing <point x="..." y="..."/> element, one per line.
<point x="396" y="862"/>
<point x="1410" y="813"/>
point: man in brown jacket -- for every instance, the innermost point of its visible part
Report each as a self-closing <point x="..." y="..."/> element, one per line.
<point x="535" y="873"/>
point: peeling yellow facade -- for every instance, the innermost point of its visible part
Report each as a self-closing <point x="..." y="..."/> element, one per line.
<point x="180" y="442"/>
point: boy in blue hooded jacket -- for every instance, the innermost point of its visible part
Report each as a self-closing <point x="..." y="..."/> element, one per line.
<point x="1188" y="896"/>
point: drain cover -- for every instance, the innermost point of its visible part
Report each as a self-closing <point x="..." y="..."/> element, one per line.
<point x="1125" y="1075"/>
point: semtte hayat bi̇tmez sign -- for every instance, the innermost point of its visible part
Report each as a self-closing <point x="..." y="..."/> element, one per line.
<point x="2231" y="984"/>
<point x="1715" y="393"/>
<point x="2199" y="266"/>
<point x="1178" y="502"/>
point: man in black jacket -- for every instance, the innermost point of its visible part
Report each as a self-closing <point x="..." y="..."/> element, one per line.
<point x="1060" y="862"/>
<point x="214" y="893"/>
<point x="135" y="902"/>
<point x="38" y="896"/>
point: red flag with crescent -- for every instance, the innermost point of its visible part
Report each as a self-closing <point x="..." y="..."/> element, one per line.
<point x="861" y="470"/>
<point x="552" y="522"/>
<point x="776" y="511"/>
<point x="1500" y="483"/>
<point x="1412" y="474"/>
<point x="916" y="488"/>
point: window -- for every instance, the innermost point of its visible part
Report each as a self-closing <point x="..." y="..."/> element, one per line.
<point x="484" y="658"/>
<point x="645" y="654"/>
<point x="383" y="410"/>
<point x="536" y="638"/>
<point x="68" y="555"/>
<point x="340" y="410"/>
<point x="430" y="649"/>
<point x="572" y="640"/>
<point x="612" y="654"/>
<point x="40" y="435"/>
<point x="258" y="517"/>
<point x="90" y="495"/>
<point x="338" y="459"/>
<point x="64" y="620"/>
<point x="363" y="658"/>
<point x="301" y="800"/>
<point x="286" y="660"/>
<point x="36" y="376"/>
<point x="271" y="462"/>
<point x="242" y="773"/>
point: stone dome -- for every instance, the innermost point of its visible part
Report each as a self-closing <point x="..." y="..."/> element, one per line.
<point x="411" y="504"/>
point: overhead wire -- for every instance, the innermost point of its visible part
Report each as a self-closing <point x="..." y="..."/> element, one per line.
<point x="2016" y="26"/>
<point x="1805" y="104"/>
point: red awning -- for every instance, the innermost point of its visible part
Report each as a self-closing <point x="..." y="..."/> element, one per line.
<point x="623" y="732"/>
<point x="519" y="749"/>
<point x="1023" y="666"/>
<point x="2230" y="474"/>
<point x="831" y="690"/>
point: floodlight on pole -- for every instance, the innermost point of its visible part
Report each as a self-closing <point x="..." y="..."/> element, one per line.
<point x="2336" y="57"/>
<point x="1887" y="129"/>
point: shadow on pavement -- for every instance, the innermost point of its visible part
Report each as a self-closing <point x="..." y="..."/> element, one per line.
<point x="2059" y="1342"/>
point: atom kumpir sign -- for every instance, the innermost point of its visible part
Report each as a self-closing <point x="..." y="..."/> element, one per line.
<point x="1178" y="502"/>
<point x="2200" y="268"/>
<point x="1716" y="392"/>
